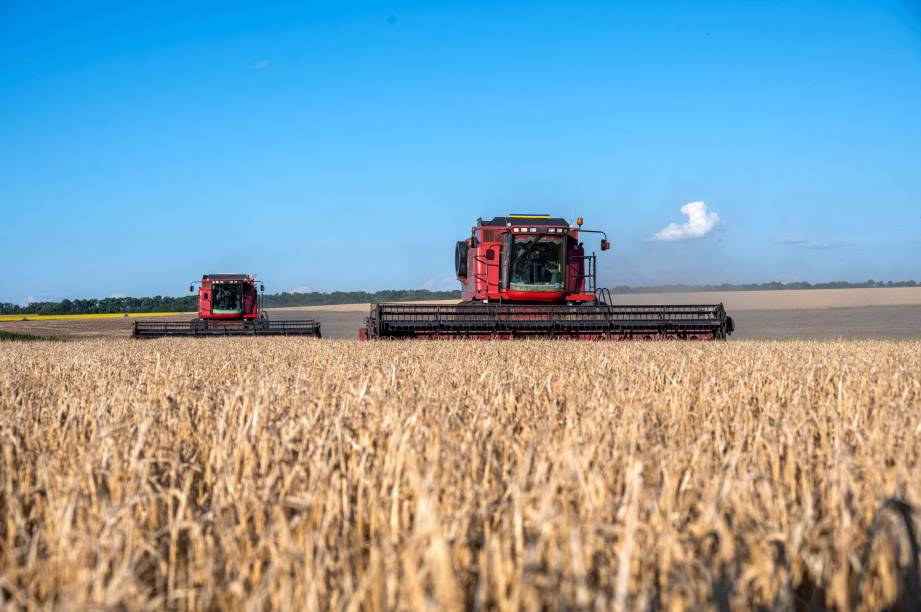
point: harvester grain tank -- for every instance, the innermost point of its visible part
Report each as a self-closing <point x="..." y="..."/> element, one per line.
<point x="527" y="276"/>
<point x="228" y="305"/>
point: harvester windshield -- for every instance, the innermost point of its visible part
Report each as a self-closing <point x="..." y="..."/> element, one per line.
<point x="227" y="298"/>
<point x="536" y="263"/>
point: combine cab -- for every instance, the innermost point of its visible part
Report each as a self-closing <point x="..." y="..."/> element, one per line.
<point x="228" y="305"/>
<point x="527" y="276"/>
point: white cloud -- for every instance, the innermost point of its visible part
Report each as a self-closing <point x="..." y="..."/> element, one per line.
<point x="700" y="223"/>
<point x="117" y="295"/>
<point x="827" y="246"/>
<point x="262" y="64"/>
<point x="29" y="300"/>
<point x="304" y="289"/>
<point x="813" y="245"/>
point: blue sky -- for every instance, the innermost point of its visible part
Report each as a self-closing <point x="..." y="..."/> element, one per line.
<point x="338" y="145"/>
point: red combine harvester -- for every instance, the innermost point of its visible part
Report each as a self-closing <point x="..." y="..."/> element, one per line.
<point x="528" y="276"/>
<point x="228" y="305"/>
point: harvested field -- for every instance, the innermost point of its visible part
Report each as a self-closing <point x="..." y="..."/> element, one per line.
<point x="360" y="308"/>
<point x="789" y="299"/>
<point x="85" y="317"/>
<point x="829" y="323"/>
<point x="320" y="474"/>
<point x="71" y="329"/>
<point x="811" y="314"/>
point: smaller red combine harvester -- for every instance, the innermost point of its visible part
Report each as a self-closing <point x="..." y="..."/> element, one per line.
<point x="527" y="276"/>
<point x="228" y="305"/>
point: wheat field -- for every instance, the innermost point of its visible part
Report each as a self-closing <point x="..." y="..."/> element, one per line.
<point x="292" y="473"/>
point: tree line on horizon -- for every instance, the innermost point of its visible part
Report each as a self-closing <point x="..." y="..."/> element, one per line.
<point x="189" y="303"/>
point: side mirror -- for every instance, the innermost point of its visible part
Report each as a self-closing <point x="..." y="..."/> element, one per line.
<point x="262" y="288"/>
<point x="605" y="245"/>
<point x="191" y="288"/>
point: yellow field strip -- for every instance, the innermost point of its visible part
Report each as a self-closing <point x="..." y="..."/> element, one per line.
<point x="108" y="315"/>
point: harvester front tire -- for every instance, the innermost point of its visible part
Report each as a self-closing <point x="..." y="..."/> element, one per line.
<point x="460" y="258"/>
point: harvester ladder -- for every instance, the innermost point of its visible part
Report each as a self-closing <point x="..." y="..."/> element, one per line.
<point x="480" y="277"/>
<point x="588" y="276"/>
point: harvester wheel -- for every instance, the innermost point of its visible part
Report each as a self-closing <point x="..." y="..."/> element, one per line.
<point x="460" y="258"/>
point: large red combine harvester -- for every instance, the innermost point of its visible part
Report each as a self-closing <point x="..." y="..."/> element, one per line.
<point x="228" y="305"/>
<point x="528" y="276"/>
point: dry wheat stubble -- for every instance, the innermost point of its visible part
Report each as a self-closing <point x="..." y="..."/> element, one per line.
<point x="312" y="474"/>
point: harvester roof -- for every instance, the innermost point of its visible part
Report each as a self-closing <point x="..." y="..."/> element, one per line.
<point x="227" y="277"/>
<point x="529" y="220"/>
